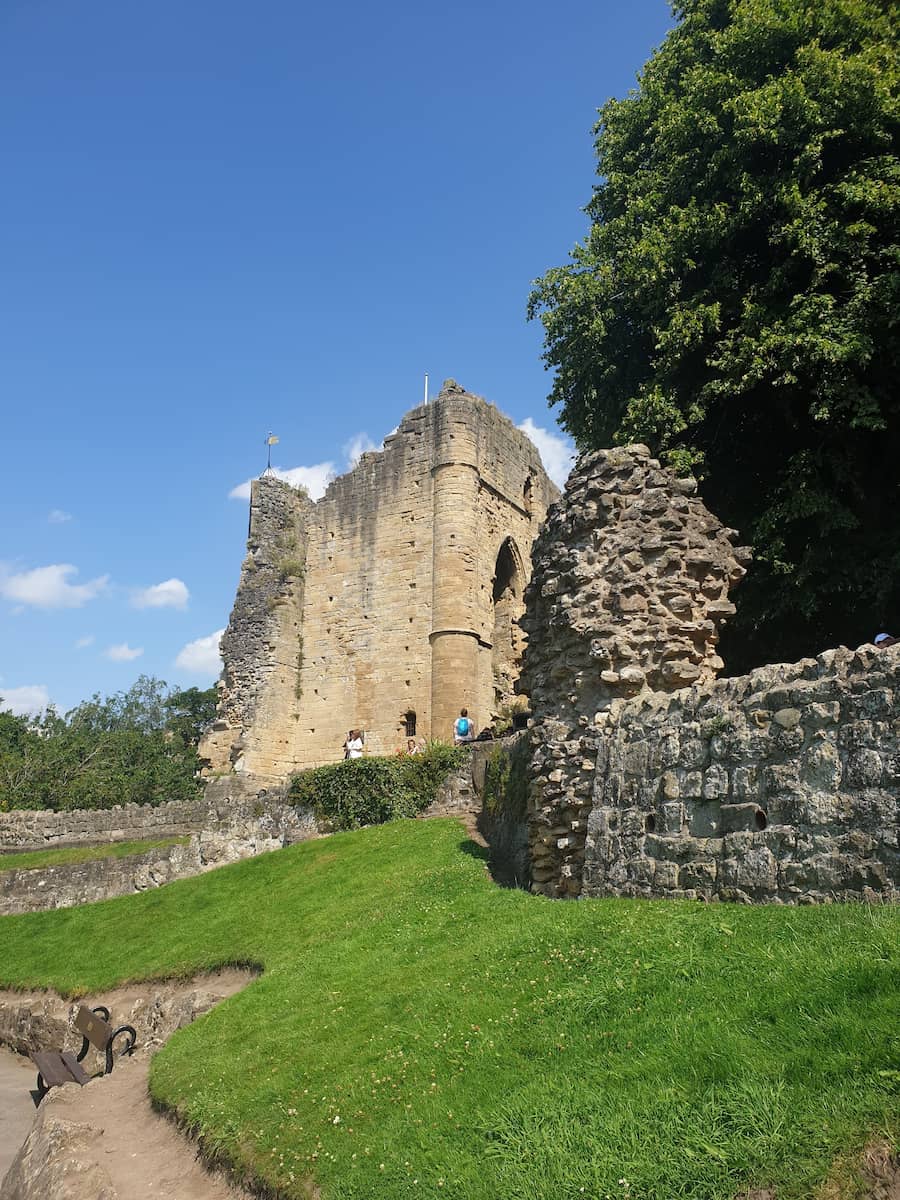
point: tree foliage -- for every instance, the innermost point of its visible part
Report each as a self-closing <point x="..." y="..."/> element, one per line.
<point x="135" y="747"/>
<point x="735" y="302"/>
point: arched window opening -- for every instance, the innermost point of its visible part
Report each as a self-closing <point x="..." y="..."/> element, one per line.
<point x="506" y="572"/>
<point x="506" y="593"/>
<point x="527" y="494"/>
<point x="409" y="721"/>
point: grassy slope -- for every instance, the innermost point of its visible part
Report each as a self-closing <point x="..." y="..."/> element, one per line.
<point x="32" y="860"/>
<point x="420" y="1032"/>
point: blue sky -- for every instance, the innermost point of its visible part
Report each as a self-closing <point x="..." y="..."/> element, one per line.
<point x="220" y="218"/>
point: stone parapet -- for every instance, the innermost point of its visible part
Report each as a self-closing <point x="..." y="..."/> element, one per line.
<point x="39" y="829"/>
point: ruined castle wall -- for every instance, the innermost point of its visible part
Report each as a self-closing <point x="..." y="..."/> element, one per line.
<point x="393" y="611"/>
<point x="782" y="785"/>
<point x="367" y="614"/>
<point x="630" y="584"/>
<point x="260" y="647"/>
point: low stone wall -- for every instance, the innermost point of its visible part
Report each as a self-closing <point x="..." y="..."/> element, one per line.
<point x="782" y="785"/>
<point x="38" y="829"/>
<point x="228" y="832"/>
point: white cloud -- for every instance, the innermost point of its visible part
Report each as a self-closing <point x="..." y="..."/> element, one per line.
<point x="171" y="593"/>
<point x="202" y="656"/>
<point x="25" y="701"/>
<point x="49" y="587"/>
<point x="557" y="451"/>
<point x="84" y="641"/>
<point x="58" y="516"/>
<point x="122" y="652"/>
<point x="357" y="446"/>
<point x="314" y="479"/>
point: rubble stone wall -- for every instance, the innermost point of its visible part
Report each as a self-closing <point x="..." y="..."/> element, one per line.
<point x="629" y="587"/>
<point x="38" y="829"/>
<point x="217" y="836"/>
<point x="649" y="777"/>
<point x="410" y="578"/>
<point x="781" y="785"/>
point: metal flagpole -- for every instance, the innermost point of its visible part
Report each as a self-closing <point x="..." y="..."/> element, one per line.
<point x="426" y="387"/>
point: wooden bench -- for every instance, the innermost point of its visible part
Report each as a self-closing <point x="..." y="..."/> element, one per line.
<point x="62" y="1066"/>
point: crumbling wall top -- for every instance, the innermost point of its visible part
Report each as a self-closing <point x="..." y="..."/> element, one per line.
<point x="629" y="588"/>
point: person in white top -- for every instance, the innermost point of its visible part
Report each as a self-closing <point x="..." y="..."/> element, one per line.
<point x="353" y="747"/>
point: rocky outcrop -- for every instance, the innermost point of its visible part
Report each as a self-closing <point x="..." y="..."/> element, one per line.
<point x="31" y="1021"/>
<point x="629" y="588"/>
<point x="56" y="1163"/>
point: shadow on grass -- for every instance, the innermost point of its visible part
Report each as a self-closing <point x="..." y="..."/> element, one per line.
<point x="475" y="851"/>
<point x="503" y="870"/>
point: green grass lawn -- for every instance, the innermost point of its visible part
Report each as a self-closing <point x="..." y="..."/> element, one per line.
<point x="421" y="1032"/>
<point x="31" y="860"/>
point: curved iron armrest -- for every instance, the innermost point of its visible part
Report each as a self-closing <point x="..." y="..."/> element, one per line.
<point x="129" y="1031"/>
<point x="102" y="1011"/>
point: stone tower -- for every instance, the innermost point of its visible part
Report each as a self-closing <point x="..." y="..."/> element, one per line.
<point x="390" y="603"/>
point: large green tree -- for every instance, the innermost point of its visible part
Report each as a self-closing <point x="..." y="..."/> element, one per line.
<point x="134" y="747"/>
<point x="735" y="303"/>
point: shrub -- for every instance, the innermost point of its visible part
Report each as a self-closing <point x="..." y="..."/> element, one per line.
<point x="369" y="791"/>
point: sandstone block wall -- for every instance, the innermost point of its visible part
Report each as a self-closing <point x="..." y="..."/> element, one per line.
<point x="408" y="580"/>
<point x="629" y="587"/>
<point x="782" y="785"/>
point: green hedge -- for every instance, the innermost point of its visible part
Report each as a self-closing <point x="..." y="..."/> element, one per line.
<point x="369" y="791"/>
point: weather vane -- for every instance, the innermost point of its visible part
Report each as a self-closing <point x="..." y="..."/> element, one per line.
<point x="271" y="440"/>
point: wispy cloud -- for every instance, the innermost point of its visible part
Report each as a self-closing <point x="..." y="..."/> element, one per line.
<point x="202" y="657"/>
<point x="25" y="701"/>
<point x="83" y="642"/>
<point x="49" y="587"/>
<point x="122" y="652"/>
<point x="58" y="516"/>
<point x="358" y="445"/>
<point x="171" y="593"/>
<point x="557" y="451"/>
<point x="314" y="479"/>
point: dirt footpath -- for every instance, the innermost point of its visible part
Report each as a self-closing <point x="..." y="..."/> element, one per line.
<point x="104" y="1141"/>
<point x="17" y="1078"/>
<point x="109" y="1144"/>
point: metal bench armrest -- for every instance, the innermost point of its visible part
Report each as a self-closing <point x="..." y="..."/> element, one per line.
<point x="130" y="1034"/>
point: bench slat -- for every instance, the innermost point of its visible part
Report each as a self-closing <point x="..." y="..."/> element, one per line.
<point x="59" y="1067"/>
<point x="79" y="1074"/>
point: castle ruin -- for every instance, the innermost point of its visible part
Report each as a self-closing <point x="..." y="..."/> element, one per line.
<point x="416" y="584"/>
<point x="390" y="603"/>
